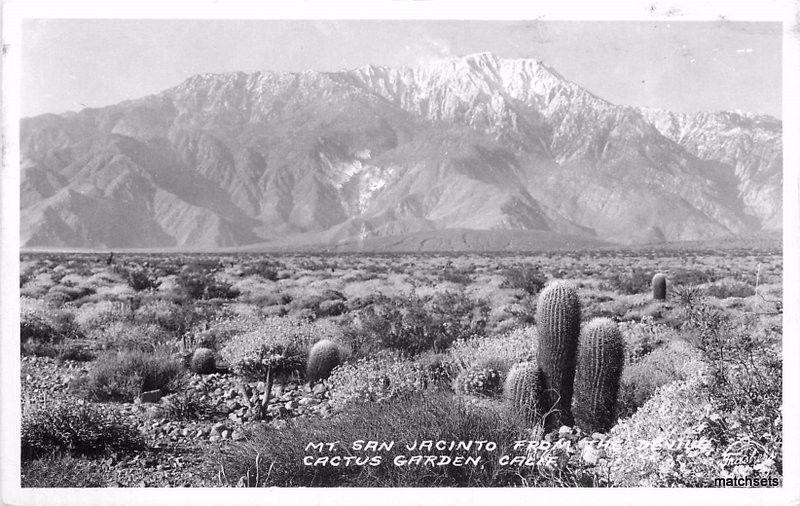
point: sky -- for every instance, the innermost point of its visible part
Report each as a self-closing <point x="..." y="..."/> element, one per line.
<point x="680" y="66"/>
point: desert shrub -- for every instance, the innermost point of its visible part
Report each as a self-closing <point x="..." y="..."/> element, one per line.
<point x="634" y="281"/>
<point x="642" y="337"/>
<point x="75" y="352"/>
<point x="215" y="333"/>
<point x="61" y="294"/>
<point x="267" y="269"/>
<point x="412" y="325"/>
<point x="74" y="428"/>
<point x="483" y="379"/>
<point x="724" y="290"/>
<point x="459" y="277"/>
<point x="94" y="316"/>
<point x="44" y="329"/>
<point x="744" y="361"/>
<point x="687" y="295"/>
<point x="140" y="279"/>
<point x="528" y="278"/>
<point x="187" y="405"/>
<point x="436" y="370"/>
<point x="125" y="375"/>
<point x="519" y="345"/>
<point x="409" y="418"/>
<point x="197" y="284"/>
<point x="331" y="307"/>
<point x="173" y="317"/>
<point x="683" y="276"/>
<point x="680" y="411"/>
<point x="672" y="362"/>
<point x="129" y="336"/>
<point x="65" y="471"/>
<point x="373" y="379"/>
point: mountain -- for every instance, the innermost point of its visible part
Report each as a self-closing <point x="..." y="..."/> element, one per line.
<point x="473" y="147"/>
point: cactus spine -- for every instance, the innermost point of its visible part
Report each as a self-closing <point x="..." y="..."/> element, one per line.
<point x="523" y="390"/>
<point x="659" y="285"/>
<point x="324" y="356"/>
<point x="601" y="355"/>
<point x="558" y="317"/>
<point x="202" y="361"/>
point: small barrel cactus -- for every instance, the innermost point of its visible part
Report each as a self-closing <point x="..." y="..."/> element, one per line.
<point x="203" y="361"/>
<point x="558" y="323"/>
<point x="523" y="390"/>
<point x="479" y="380"/>
<point x="324" y="356"/>
<point x="601" y="355"/>
<point x="659" y="285"/>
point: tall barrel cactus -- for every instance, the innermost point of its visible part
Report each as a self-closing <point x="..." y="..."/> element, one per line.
<point x="659" y="285"/>
<point x="523" y="391"/>
<point x="601" y="355"/>
<point x="323" y="357"/>
<point x="558" y="322"/>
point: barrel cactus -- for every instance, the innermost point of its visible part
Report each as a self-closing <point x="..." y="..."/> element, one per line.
<point x="203" y="361"/>
<point x="523" y="390"/>
<point x="659" y="285"/>
<point x="601" y="355"/>
<point x="558" y="323"/>
<point x="324" y="356"/>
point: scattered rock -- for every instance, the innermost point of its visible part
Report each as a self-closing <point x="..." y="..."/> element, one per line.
<point x="592" y="454"/>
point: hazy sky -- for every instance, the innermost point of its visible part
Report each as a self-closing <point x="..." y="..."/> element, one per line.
<point x="682" y="66"/>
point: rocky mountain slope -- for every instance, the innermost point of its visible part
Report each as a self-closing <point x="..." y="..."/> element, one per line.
<point x="475" y="143"/>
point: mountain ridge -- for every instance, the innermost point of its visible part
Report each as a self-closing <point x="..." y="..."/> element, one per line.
<point x="476" y="142"/>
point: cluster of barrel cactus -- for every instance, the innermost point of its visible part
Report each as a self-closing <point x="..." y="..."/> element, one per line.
<point x="588" y="361"/>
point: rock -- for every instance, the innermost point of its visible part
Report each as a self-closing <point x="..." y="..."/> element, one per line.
<point x="592" y="454"/>
<point x="226" y="434"/>
<point x="319" y="389"/>
<point x="564" y="431"/>
<point x="213" y="438"/>
<point x="150" y="396"/>
<point x="291" y="405"/>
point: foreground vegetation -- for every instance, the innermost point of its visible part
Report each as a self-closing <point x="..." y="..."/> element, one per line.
<point x="208" y="370"/>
